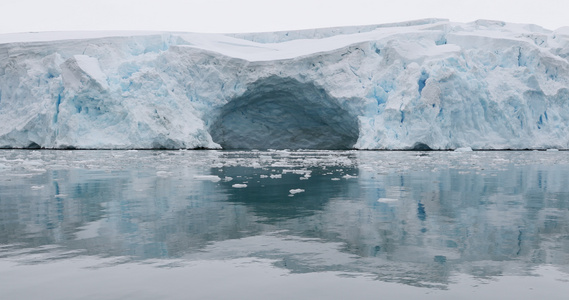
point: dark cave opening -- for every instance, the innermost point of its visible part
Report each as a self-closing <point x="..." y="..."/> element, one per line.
<point x="283" y="113"/>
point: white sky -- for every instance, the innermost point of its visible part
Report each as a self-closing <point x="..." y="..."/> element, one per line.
<point x="259" y="15"/>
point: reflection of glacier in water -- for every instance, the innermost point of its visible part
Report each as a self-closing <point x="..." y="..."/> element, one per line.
<point x="407" y="217"/>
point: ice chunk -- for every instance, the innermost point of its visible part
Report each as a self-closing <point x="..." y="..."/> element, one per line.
<point x="296" y="191"/>
<point x="239" y="185"/>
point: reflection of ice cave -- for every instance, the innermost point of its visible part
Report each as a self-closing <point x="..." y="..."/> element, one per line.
<point x="283" y="113"/>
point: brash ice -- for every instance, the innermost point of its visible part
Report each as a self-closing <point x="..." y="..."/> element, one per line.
<point x="421" y="84"/>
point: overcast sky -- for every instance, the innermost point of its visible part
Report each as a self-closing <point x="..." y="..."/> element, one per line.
<point x="262" y="15"/>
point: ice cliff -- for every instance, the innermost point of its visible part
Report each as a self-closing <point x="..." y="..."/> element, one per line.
<point x="422" y="84"/>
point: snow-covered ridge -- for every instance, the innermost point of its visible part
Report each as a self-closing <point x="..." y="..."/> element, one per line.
<point x="426" y="83"/>
<point x="320" y="33"/>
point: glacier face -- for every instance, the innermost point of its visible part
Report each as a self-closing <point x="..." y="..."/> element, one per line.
<point x="421" y="84"/>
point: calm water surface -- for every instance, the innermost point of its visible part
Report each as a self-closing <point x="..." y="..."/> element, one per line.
<point x="283" y="225"/>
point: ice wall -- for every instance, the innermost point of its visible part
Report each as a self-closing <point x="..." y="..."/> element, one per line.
<point x="421" y="84"/>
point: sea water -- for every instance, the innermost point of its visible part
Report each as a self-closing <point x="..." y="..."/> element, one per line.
<point x="283" y="225"/>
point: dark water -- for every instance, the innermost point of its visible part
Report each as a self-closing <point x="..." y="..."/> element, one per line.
<point x="283" y="225"/>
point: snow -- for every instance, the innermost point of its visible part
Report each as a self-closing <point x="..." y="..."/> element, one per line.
<point x="426" y="84"/>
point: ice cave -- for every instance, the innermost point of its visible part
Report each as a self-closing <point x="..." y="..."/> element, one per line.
<point x="284" y="113"/>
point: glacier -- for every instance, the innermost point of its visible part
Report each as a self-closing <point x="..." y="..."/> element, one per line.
<point x="424" y="84"/>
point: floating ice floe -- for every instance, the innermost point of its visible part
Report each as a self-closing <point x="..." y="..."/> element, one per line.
<point x="296" y="191"/>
